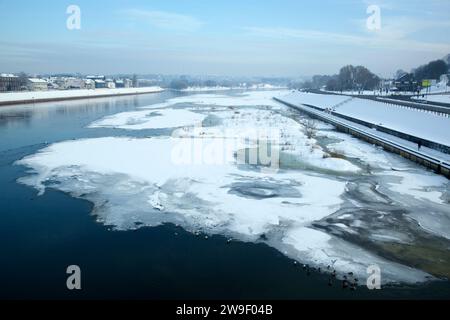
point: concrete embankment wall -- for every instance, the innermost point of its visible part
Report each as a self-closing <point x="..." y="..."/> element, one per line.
<point x="436" y="165"/>
<point x="62" y="98"/>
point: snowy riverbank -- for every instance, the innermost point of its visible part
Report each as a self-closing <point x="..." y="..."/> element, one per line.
<point x="409" y="121"/>
<point x="440" y="98"/>
<point x="45" y="96"/>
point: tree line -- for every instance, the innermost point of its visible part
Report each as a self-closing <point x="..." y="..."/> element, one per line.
<point x="349" y="78"/>
<point x="360" y="78"/>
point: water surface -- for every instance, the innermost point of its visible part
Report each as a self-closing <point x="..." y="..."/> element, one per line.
<point x="42" y="235"/>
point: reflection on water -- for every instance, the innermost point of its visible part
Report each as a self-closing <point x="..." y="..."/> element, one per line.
<point x="50" y="122"/>
<point x="17" y="113"/>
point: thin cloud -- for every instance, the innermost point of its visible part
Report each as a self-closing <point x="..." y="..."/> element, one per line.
<point x="380" y="41"/>
<point x="167" y="20"/>
<point x="388" y="5"/>
<point x="402" y="27"/>
<point x="286" y="33"/>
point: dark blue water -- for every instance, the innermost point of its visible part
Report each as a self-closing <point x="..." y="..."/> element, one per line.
<point x="41" y="235"/>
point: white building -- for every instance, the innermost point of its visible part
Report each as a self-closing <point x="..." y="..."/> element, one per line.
<point x="35" y="84"/>
<point x="9" y="82"/>
<point x="89" y="84"/>
<point x="110" y="84"/>
<point x="74" y="83"/>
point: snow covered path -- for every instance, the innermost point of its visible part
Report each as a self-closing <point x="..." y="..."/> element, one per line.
<point x="441" y="98"/>
<point x="421" y="105"/>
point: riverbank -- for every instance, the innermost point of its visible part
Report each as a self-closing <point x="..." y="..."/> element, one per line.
<point x="393" y="141"/>
<point x="14" y="98"/>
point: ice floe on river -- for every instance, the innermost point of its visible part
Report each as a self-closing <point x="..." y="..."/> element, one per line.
<point x="317" y="207"/>
<point x="154" y="119"/>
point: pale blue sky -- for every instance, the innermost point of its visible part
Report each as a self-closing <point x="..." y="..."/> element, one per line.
<point x="221" y="37"/>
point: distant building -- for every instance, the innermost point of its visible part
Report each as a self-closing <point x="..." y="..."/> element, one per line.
<point x="66" y="83"/>
<point x="123" y="83"/>
<point x="100" y="84"/>
<point x="53" y="86"/>
<point x="9" y="82"/>
<point x="96" y="78"/>
<point x="52" y="83"/>
<point x="128" y="83"/>
<point x="406" y="82"/>
<point x="74" y="83"/>
<point x="89" y="84"/>
<point x="120" y="83"/>
<point x="386" y="85"/>
<point x="35" y="84"/>
<point x="110" y="84"/>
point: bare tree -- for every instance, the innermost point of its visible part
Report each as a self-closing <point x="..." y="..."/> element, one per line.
<point x="309" y="128"/>
<point x="135" y="81"/>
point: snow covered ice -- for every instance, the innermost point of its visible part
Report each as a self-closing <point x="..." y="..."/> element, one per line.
<point x="154" y="119"/>
<point x="333" y="200"/>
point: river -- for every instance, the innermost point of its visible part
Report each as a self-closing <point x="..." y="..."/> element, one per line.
<point x="43" y="234"/>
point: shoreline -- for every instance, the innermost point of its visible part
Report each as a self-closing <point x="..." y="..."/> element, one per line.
<point x="32" y="97"/>
<point x="360" y="129"/>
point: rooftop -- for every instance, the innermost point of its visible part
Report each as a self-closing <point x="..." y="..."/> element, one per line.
<point x="7" y="75"/>
<point x="36" y="80"/>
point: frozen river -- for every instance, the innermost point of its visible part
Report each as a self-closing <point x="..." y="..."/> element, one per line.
<point x="322" y="198"/>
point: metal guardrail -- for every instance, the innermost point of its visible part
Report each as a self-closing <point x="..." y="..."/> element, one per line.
<point x="334" y="121"/>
